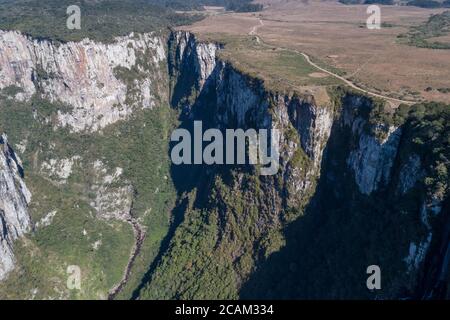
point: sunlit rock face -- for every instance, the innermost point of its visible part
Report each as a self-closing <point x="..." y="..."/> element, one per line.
<point x="14" y="199"/>
<point x="84" y="75"/>
<point x="373" y="160"/>
<point x="235" y="100"/>
<point x="101" y="84"/>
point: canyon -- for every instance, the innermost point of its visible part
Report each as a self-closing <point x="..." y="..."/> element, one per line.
<point x="351" y="181"/>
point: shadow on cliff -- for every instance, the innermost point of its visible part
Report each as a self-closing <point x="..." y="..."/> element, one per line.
<point x="177" y="214"/>
<point x="435" y="278"/>
<point x="306" y="267"/>
<point x="186" y="177"/>
<point x="342" y="232"/>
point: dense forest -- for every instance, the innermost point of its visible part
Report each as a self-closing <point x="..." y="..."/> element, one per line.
<point x="103" y="20"/>
<point x="437" y="25"/>
<point x="232" y="5"/>
<point x="431" y="4"/>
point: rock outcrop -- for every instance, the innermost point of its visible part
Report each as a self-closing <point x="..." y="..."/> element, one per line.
<point x="338" y="163"/>
<point x="14" y="199"/>
<point x="86" y="76"/>
<point x="225" y="98"/>
<point x="373" y="160"/>
<point x="329" y="151"/>
<point x="114" y="196"/>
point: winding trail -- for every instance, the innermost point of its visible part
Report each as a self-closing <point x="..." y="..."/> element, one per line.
<point x="392" y="101"/>
<point x="354" y="86"/>
<point x="254" y="30"/>
<point x="139" y="235"/>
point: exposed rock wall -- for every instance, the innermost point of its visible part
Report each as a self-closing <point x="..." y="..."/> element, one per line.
<point x="104" y="83"/>
<point x="372" y="161"/>
<point x="370" y="171"/>
<point x="226" y="98"/>
<point x="83" y="75"/>
<point x="14" y="199"/>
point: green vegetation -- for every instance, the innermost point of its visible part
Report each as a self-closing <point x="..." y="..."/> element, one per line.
<point x="425" y="3"/>
<point x="232" y="5"/>
<point x="232" y="244"/>
<point x="100" y="20"/>
<point x="342" y="231"/>
<point x="281" y="70"/>
<point x="243" y="6"/>
<point x="427" y="132"/>
<point x="44" y="255"/>
<point x="232" y="217"/>
<point x="213" y="249"/>
<point x="436" y="26"/>
<point x="139" y="146"/>
<point x="105" y="19"/>
<point x="444" y="90"/>
<point x="429" y="4"/>
<point x="231" y="235"/>
<point x="10" y="91"/>
<point x="384" y="2"/>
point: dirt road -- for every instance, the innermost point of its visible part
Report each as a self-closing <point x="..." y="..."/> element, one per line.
<point x="393" y="101"/>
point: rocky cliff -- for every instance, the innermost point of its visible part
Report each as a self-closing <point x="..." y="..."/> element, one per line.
<point x="338" y="163"/>
<point x="86" y="76"/>
<point x="356" y="184"/>
<point x="225" y="98"/>
<point x="14" y="199"/>
<point x="83" y="116"/>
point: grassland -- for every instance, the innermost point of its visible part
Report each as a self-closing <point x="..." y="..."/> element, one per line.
<point x="281" y="70"/>
<point x="335" y="35"/>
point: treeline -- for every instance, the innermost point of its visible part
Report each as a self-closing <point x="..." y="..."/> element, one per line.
<point x="431" y="4"/>
<point x="438" y="25"/>
<point x="230" y="5"/>
<point x="104" y="20"/>
<point x="384" y="2"/>
<point x="243" y="6"/>
<point x="100" y="20"/>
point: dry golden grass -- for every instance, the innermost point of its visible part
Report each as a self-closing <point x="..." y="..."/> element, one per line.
<point x="336" y="35"/>
<point x="281" y="70"/>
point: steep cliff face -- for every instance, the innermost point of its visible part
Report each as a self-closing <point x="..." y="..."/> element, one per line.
<point x="90" y="121"/>
<point x="225" y="98"/>
<point x="14" y="199"/>
<point x="341" y="170"/>
<point x="86" y="76"/>
<point x="352" y="189"/>
<point x="373" y="160"/>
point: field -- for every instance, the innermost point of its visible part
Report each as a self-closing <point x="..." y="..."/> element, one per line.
<point x="335" y="36"/>
<point x="282" y="70"/>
